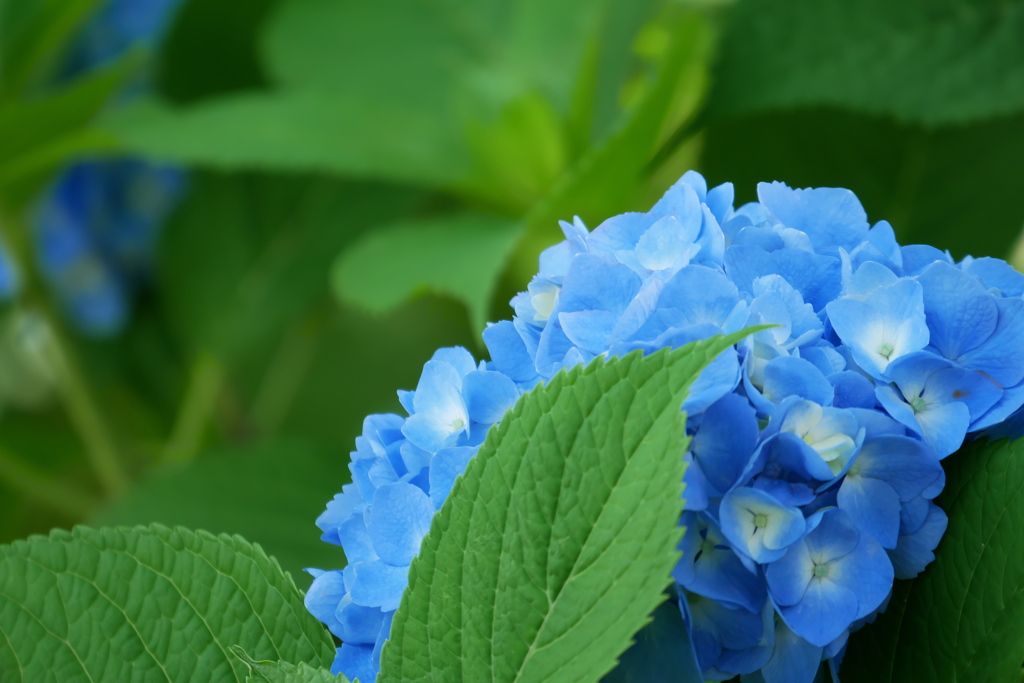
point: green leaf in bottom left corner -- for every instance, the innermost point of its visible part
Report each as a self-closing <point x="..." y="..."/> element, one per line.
<point x="150" y="603"/>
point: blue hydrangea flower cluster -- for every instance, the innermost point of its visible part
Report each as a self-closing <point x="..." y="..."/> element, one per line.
<point x="816" y="444"/>
<point x="95" y="227"/>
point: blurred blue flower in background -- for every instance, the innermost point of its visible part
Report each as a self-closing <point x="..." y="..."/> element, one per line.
<point x="96" y="225"/>
<point x="816" y="444"/>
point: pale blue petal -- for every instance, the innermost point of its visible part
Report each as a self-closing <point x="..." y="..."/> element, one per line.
<point x="794" y="660"/>
<point x="818" y="278"/>
<point x="695" y="485"/>
<point x="852" y="390"/>
<point x="457" y="357"/>
<point x="509" y="355"/>
<point x="873" y="506"/>
<point x="832" y="217"/>
<point x="787" y="376"/>
<point x="917" y="257"/>
<point x="377" y="584"/>
<point x="995" y="273"/>
<point x="961" y="313"/>
<point x="719" y="200"/>
<point x="914" y="551"/>
<point x="738" y="515"/>
<point x="825" y="611"/>
<point x="355" y="662"/>
<point x="489" y="395"/>
<point x="905" y="464"/>
<point x="867" y="572"/>
<point x="595" y="283"/>
<point x="359" y="624"/>
<point x="324" y="596"/>
<point x="397" y="521"/>
<point x="725" y="440"/>
<point x="445" y="467"/>
<point x="589" y="330"/>
<point x="1002" y="354"/>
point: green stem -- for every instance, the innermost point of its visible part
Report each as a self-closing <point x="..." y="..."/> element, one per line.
<point x="206" y="379"/>
<point x="70" y="501"/>
<point x="285" y="374"/>
<point x="81" y="405"/>
<point x="84" y="411"/>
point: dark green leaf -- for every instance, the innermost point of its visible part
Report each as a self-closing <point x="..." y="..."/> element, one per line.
<point x="459" y="255"/>
<point x="211" y="48"/>
<point x="662" y="651"/>
<point x="147" y="604"/>
<point x="928" y="61"/>
<point x="571" y="506"/>
<point x="953" y="188"/>
<point x="270" y="494"/>
<point x="246" y="255"/>
<point x="962" y="620"/>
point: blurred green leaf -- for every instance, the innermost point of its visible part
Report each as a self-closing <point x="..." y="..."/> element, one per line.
<point x="245" y="255"/>
<point x="294" y="131"/>
<point x="112" y="605"/>
<point x="285" y="672"/>
<point x="390" y="90"/>
<point x="928" y="61"/>
<point x="211" y="48"/>
<point x="955" y="188"/>
<point x="37" y="135"/>
<point x="270" y="493"/>
<point x="33" y="35"/>
<point x="458" y="255"/>
<point x="962" y="620"/>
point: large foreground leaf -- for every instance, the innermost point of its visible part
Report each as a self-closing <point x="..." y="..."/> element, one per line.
<point x="962" y="620"/>
<point x="556" y="545"/>
<point x="927" y="61"/>
<point x="148" y="603"/>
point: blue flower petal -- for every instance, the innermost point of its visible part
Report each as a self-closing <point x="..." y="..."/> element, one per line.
<point x="397" y="521"/>
<point x="377" y="584"/>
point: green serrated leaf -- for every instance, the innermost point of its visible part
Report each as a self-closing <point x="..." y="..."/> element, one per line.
<point x="460" y="255"/>
<point x="284" y="672"/>
<point x="922" y="61"/>
<point x="571" y="506"/>
<point x="962" y="620"/>
<point x="268" y="493"/>
<point x="148" y="603"/>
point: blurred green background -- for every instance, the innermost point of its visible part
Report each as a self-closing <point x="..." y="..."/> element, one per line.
<point x="367" y="181"/>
